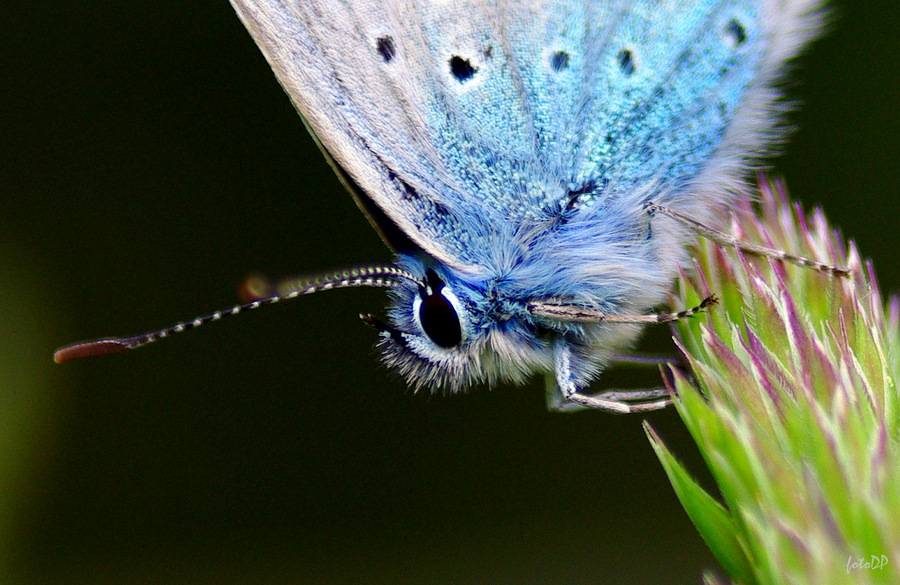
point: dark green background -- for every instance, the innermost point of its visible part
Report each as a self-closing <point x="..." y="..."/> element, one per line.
<point x="149" y="163"/>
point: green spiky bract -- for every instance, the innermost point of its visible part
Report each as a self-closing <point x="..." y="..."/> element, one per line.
<point x="793" y="403"/>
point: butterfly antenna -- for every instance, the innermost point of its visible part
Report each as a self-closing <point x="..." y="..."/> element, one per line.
<point x="374" y="276"/>
<point x="724" y="239"/>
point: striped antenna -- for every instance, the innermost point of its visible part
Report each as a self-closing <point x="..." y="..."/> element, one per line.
<point x="375" y="276"/>
<point x="724" y="239"/>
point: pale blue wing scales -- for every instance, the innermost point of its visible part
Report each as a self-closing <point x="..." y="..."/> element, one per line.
<point x="700" y="105"/>
<point x="631" y="98"/>
<point x="671" y="92"/>
<point x="635" y="92"/>
<point x="508" y="130"/>
<point x="547" y="108"/>
<point x="558" y="69"/>
<point x="477" y="115"/>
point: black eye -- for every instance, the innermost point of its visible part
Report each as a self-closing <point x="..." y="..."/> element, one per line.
<point x="440" y="321"/>
<point x="438" y="316"/>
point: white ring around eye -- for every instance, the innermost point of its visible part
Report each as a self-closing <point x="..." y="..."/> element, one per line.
<point x="454" y="301"/>
<point x="416" y="306"/>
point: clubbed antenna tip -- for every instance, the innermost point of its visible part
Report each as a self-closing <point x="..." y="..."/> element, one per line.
<point x="88" y="349"/>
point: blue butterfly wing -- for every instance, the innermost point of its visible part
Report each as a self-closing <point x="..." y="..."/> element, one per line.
<point x="456" y="123"/>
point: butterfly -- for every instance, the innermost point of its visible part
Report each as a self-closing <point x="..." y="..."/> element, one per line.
<point x="538" y="167"/>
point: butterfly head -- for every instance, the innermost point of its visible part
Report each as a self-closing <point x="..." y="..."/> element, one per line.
<point x="448" y="330"/>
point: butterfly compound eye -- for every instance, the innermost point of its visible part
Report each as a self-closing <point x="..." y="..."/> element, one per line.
<point x="440" y="321"/>
<point x="437" y="312"/>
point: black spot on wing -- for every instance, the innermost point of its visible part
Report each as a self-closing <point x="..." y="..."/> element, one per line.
<point x="735" y="33"/>
<point x="385" y="47"/>
<point x="559" y="61"/>
<point x="626" y="62"/>
<point x="461" y="69"/>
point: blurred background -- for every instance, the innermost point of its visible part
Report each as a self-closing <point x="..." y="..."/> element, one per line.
<point x="150" y="162"/>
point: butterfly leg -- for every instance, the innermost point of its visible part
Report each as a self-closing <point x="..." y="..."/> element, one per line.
<point x="634" y="395"/>
<point x="556" y="402"/>
<point x="567" y="397"/>
<point x="641" y="360"/>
